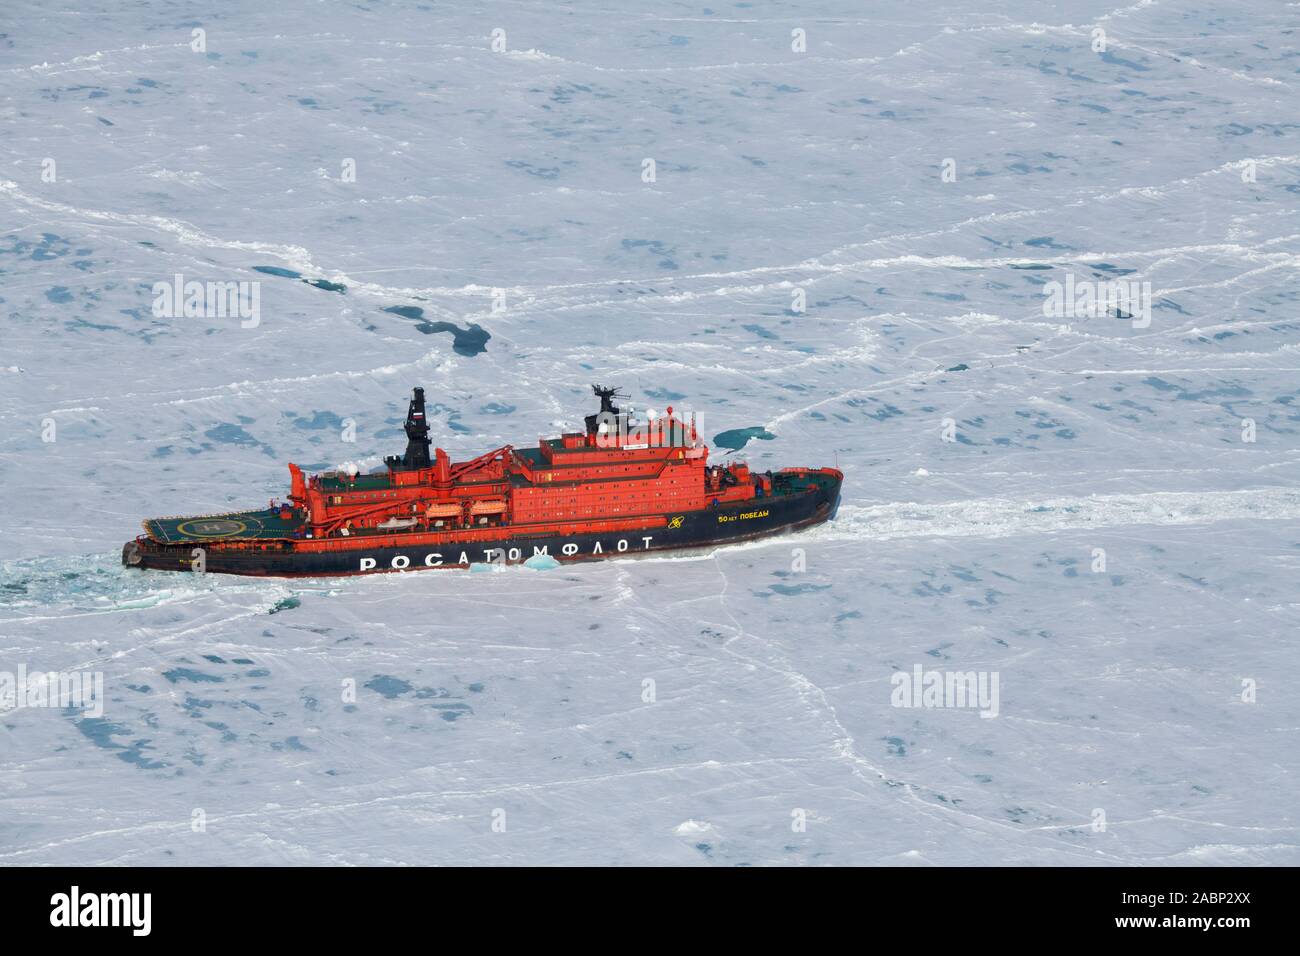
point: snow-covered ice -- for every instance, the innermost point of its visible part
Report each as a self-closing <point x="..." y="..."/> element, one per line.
<point x="1100" y="511"/>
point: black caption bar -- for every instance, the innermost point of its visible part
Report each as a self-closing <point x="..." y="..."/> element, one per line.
<point x="336" y="906"/>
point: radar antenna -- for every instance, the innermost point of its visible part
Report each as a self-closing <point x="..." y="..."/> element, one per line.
<point x="610" y="414"/>
<point x="607" y="396"/>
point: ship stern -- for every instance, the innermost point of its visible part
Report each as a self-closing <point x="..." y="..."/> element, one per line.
<point x="146" y="554"/>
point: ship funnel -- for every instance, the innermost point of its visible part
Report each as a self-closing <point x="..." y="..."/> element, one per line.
<point x="417" y="437"/>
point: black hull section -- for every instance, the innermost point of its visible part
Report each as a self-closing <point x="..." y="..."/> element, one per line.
<point x="758" y="518"/>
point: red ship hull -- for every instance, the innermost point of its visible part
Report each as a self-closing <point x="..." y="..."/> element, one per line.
<point x="580" y="498"/>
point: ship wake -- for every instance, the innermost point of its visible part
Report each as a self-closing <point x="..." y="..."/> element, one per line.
<point x="1006" y="517"/>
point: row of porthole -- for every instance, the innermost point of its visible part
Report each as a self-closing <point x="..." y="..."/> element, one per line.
<point x="547" y="491"/>
<point x="658" y="494"/>
<point x="633" y="491"/>
<point x="589" y="507"/>
<point x="630" y="494"/>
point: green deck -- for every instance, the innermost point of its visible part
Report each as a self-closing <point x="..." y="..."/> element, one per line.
<point x="237" y="524"/>
<point x="531" y="455"/>
<point x="333" y="481"/>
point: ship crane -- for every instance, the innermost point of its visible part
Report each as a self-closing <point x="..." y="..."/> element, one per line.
<point x="482" y="461"/>
<point x="401" y="508"/>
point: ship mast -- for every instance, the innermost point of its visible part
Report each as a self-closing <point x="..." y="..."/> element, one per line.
<point x="609" y="413"/>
